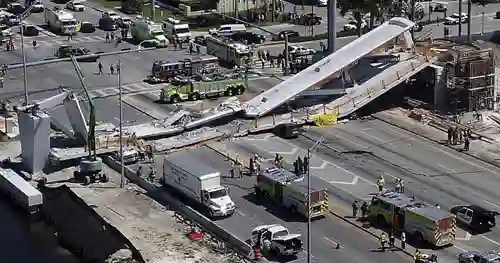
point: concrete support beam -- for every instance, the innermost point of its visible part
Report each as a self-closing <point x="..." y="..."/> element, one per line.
<point x="35" y="140"/>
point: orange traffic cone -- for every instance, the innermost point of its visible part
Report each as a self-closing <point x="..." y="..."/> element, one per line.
<point x="256" y="253"/>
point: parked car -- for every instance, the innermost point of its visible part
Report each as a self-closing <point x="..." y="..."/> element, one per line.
<point x="75" y="5"/>
<point x="439" y="7"/>
<point x="456" y="19"/>
<point x="475" y="217"/>
<point x="248" y="37"/>
<point x="87" y="27"/>
<point x="308" y="20"/>
<point x="111" y="14"/>
<point x="281" y="35"/>
<point x="11" y="19"/>
<point x="37" y="7"/>
<point x="68" y="50"/>
<point x="30" y="30"/>
<point x="15" y="8"/>
<point x="300" y="50"/>
<point x="352" y="26"/>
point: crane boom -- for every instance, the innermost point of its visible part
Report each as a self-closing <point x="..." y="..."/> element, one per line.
<point x="91" y="145"/>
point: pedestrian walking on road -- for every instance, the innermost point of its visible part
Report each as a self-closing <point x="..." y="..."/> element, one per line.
<point x="383" y="241"/>
<point x="355" y="207"/>
<point x="380" y="183"/>
<point x="392" y="238"/>
<point x="107" y="37"/>
<point x="402" y="186"/>
<point x="99" y="68"/>
<point x="397" y="189"/>
<point x="450" y="135"/>
<point x="466" y="143"/>
<point x="403" y="240"/>
<point x="111" y="69"/>
<point x="305" y="164"/>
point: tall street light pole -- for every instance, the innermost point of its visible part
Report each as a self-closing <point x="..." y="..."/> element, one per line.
<point x="120" y="98"/>
<point x="309" y="155"/>
<point x="21" y="17"/>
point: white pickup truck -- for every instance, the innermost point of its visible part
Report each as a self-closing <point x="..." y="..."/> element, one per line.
<point x="277" y="239"/>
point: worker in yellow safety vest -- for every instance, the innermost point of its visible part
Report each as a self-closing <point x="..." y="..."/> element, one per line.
<point x="418" y="257"/>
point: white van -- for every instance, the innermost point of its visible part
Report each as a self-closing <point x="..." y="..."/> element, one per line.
<point x="227" y="30"/>
<point x="174" y="29"/>
<point x="130" y="156"/>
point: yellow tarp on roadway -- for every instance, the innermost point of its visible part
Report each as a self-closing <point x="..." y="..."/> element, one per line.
<point x="326" y="119"/>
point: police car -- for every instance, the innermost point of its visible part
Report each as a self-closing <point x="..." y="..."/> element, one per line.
<point x="475" y="217"/>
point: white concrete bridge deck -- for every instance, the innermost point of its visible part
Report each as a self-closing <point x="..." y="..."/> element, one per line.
<point x="322" y="71"/>
<point x="377" y="85"/>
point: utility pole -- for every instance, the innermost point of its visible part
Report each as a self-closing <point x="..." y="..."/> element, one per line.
<point x="469" y="13"/>
<point x="153" y="10"/>
<point x="332" y="25"/>
<point x="122" y="169"/>
<point x="460" y="18"/>
<point x="309" y="155"/>
<point x="25" y="74"/>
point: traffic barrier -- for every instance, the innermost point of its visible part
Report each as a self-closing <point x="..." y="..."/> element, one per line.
<point x="238" y="245"/>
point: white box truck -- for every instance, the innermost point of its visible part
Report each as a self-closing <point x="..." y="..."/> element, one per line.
<point x="60" y="21"/>
<point x="148" y="32"/>
<point x="198" y="182"/>
<point x="174" y="29"/>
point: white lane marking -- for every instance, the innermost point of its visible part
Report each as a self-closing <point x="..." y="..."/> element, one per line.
<point x="463" y="250"/>
<point x="330" y="241"/>
<point x="349" y="141"/>
<point x="491" y="240"/>
<point x="297" y="260"/>
<point x="241" y="213"/>
<point x="492" y="204"/>
<point x="353" y="182"/>
<point x="449" y="154"/>
<point x="465" y="238"/>
<point x="446" y="168"/>
<point x="374" y="137"/>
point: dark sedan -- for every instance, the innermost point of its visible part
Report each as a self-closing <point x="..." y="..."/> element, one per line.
<point x="248" y="37"/>
<point x="281" y="35"/>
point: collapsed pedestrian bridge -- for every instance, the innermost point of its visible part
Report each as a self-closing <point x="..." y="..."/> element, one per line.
<point x="325" y="70"/>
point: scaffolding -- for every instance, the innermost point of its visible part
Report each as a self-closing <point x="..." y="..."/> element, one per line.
<point x="471" y="79"/>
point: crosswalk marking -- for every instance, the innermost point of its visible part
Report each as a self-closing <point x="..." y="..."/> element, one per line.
<point x="48" y="41"/>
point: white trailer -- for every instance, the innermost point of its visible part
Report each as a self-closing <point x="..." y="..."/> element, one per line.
<point x="198" y="182"/>
<point x="60" y="21"/>
<point x="174" y="29"/>
<point x="24" y="194"/>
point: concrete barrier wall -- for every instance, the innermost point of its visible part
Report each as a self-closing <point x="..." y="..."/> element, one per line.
<point x="237" y="244"/>
<point x="80" y="229"/>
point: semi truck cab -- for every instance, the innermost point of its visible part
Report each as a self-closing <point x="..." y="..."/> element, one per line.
<point x="218" y="201"/>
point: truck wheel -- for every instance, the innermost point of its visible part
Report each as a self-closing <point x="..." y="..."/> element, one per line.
<point x="229" y="92"/>
<point x="175" y="99"/>
<point x="240" y="89"/>
<point x="86" y="180"/>
<point x="195" y="96"/>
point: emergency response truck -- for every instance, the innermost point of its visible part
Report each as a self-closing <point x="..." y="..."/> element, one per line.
<point x="149" y="32"/>
<point x="195" y="90"/>
<point x="229" y="52"/>
<point x="425" y="222"/>
<point x="60" y="21"/>
<point x="173" y="29"/>
<point x="288" y="190"/>
<point x="164" y="71"/>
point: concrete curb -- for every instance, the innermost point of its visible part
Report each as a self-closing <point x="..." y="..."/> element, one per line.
<point x="341" y="217"/>
<point x="483" y="159"/>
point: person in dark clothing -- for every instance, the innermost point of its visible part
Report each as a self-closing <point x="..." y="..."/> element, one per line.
<point x="364" y="209"/>
<point x="392" y="238"/>
<point x="450" y="135"/>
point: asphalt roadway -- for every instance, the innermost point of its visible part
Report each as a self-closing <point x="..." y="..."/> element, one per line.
<point x="356" y="153"/>
<point x="356" y="246"/>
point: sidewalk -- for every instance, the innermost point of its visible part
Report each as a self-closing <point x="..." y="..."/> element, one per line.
<point x="479" y="149"/>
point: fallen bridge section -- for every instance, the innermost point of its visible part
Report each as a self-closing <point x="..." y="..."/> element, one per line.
<point x="376" y="86"/>
<point x="323" y="70"/>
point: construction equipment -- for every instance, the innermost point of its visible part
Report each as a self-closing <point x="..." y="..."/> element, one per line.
<point x="427" y="223"/>
<point x="290" y="191"/>
<point x="90" y="168"/>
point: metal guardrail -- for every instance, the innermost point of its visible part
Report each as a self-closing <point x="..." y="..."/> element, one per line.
<point x="242" y="249"/>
